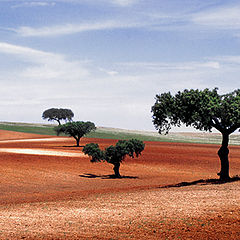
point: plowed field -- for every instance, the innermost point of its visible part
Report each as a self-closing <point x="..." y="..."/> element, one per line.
<point x="50" y="190"/>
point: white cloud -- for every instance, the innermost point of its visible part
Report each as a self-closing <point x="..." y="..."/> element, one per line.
<point x="98" y="94"/>
<point x="71" y="28"/>
<point x="177" y="66"/>
<point x="44" y="65"/>
<point x="154" y="77"/>
<point x="109" y="72"/>
<point x="217" y="18"/>
<point x="229" y="59"/>
<point x="225" y="18"/>
<point x="221" y="18"/>
<point x="123" y="3"/>
<point x="34" y="4"/>
<point x="27" y="53"/>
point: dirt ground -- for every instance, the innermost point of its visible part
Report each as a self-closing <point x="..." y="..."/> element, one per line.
<point x="50" y="190"/>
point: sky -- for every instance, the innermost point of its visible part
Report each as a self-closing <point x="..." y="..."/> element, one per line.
<point x="107" y="59"/>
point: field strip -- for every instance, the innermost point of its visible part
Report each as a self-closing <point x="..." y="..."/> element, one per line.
<point x="34" y="140"/>
<point x="40" y="152"/>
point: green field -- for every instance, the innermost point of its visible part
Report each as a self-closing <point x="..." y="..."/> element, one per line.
<point x="112" y="133"/>
<point x="28" y="128"/>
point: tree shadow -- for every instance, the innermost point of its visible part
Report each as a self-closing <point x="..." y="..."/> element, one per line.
<point x="69" y="146"/>
<point x="203" y="182"/>
<point x="89" y="175"/>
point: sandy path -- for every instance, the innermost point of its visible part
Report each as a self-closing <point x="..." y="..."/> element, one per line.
<point x="40" y="152"/>
<point x="52" y="139"/>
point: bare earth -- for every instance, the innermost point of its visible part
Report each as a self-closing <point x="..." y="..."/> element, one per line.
<point x="50" y="190"/>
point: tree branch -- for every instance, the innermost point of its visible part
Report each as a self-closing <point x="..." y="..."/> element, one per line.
<point x="216" y="123"/>
<point x="233" y="128"/>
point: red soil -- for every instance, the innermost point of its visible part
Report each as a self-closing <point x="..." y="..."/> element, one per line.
<point x="9" y="135"/>
<point x="63" y="197"/>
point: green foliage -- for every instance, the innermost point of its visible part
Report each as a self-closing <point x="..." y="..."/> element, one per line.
<point x="135" y="146"/>
<point x="75" y="129"/>
<point x="58" y="114"/>
<point x="202" y="109"/>
<point x="93" y="150"/>
<point x="114" y="154"/>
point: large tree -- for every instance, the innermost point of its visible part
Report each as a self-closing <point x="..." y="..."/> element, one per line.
<point x="58" y="114"/>
<point x="204" y="110"/>
<point x="75" y="129"/>
<point x="115" y="154"/>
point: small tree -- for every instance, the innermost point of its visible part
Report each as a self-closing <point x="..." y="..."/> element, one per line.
<point x="204" y="110"/>
<point x="75" y="129"/>
<point x="115" y="154"/>
<point x="58" y="114"/>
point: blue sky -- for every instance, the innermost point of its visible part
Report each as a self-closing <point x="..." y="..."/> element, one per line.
<point x="107" y="59"/>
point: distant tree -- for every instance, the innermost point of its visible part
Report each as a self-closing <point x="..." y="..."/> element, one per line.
<point x="115" y="154"/>
<point x="58" y="114"/>
<point x="75" y="129"/>
<point x="204" y="110"/>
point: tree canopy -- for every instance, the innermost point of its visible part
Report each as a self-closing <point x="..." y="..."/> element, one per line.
<point x="75" y="129"/>
<point x="58" y="114"/>
<point x="115" y="154"/>
<point x="202" y="109"/>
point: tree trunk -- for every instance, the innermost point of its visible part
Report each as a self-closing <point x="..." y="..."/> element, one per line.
<point x="77" y="140"/>
<point x="59" y="123"/>
<point x="116" y="170"/>
<point x="223" y="155"/>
